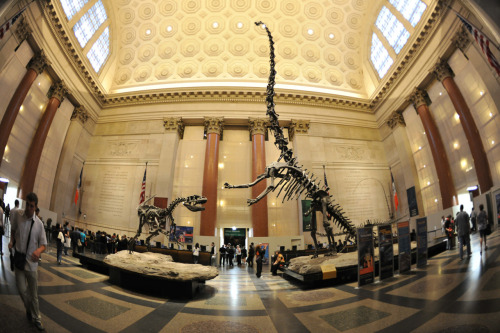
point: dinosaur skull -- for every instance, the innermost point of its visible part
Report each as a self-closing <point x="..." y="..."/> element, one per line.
<point x="194" y="200"/>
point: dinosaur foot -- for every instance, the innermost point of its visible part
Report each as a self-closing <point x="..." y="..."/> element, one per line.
<point x="227" y="185"/>
<point x="251" y="201"/>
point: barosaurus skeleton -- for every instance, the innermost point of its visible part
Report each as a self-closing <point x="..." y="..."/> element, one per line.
<point x="290" y="177"/>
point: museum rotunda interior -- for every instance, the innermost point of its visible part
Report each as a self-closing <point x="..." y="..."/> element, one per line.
<point x="328" y="118"/>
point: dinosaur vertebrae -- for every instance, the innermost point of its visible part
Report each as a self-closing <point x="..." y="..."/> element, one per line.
<point x="280" y="141"/>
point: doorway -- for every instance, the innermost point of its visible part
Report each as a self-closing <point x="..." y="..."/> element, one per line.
<point x="235" y="236"/>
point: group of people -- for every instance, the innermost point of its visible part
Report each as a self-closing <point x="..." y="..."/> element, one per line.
<point x="463" y="225"/>
<point x="229" y="252"/>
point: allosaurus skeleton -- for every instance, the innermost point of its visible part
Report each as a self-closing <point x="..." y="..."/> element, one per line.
<point x="157" y="218"/>
<point x="293" y="179"/>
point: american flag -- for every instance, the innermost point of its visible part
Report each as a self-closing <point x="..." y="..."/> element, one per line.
<point x="7" y="25"/>
<point x="396" y="201"/>
<point x="483" y="42"/>
<point x="77" y="194"/>
<point x="143" y="187"/>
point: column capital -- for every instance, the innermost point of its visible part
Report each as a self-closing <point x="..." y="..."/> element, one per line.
<point x="419" y="97"/>
<point x="461" y="39"/>
<point x="39" y="62"/>
<point x="80" y="113"/>
<point x="23" y="30"/>
<point x="58" y="90"/>
<point x="257" y="126"/>
<point x="395" y="119"/>
<point x="172" y="124"/>
<point x="214" y="125"/>
<point x="442" y="70"/>
<point x="298" y="126"/>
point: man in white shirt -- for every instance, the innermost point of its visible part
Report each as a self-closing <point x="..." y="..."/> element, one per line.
<point x="28" y="236"/>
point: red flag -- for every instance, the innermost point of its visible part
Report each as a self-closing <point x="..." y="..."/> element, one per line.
<point x="7" y="25"/>
<point x="143" y="188"/>
<point x="396" y="202"/>
<point x="483" y="42"/>
<point x="77" y="194"/>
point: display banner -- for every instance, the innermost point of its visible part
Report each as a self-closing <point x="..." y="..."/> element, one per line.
<point x="404" y="247"/>
<point x="386" y="252"/>
<point x="306" y="220"/>
<point x="422" y="242"/>
<point x="183" y="234"/>
<point x="411" y="195"/>
<point x="366" y="268"/>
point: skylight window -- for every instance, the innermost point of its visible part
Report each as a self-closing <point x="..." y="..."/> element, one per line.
<point x="411" y="10"/>
<point x="393" y="30"/>
<point x="85" y="28"/>
<point x="99" y="51"/>
<point x="380" y="57"/>
<point x="71" y="7"/>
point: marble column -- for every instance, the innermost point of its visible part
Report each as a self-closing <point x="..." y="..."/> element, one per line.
<point x="397" y="123"/>
<point x="27" y="182"/>
<point x="213" y="130"/>
<point x="35" y="67"/>
<point x="443" y="73"/>
<point x="258" y="128"/>
<point x="446" y="186"/>
<point x="62" y="196"/>
<point x="174" y="131"/>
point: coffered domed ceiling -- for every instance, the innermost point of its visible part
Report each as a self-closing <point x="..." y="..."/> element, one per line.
<point x="212" y="43"/>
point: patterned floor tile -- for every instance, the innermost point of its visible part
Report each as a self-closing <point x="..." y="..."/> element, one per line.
<point x="99" y="311"/>
<point x="217" y="324"/>
<point x="361" y="316"/>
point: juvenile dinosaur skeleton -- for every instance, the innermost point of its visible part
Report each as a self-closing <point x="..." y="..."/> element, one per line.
<point x="156" y="218"/>
<point x="291" y="178"/>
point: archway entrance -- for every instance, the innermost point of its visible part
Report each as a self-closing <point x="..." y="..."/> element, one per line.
<point x="235" y="236"/>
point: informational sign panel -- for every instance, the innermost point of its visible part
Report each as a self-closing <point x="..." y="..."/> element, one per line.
<point x="404" y="247"/>
<point x="386" y="251"/>
<point x="412" y="201"/>
<point x="366" y="267"/>
<point x="306" y="219"/>
<point x="422" y="242"/>
<point x="182" y="234"/>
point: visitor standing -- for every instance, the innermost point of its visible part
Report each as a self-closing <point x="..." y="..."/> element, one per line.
<point x="2" y="231"/>
<point x="279" y="261"/>
<point x="222" y="257"/>
<point x="473" y="217"/>
<point x="238" y="255"/>
<point x="482" y="226"/>
<point x="213" y="255"/>
<point x="196" y="253"/>
<point x="59" y="243"/>
<point x="251" y="254"/>
<point x="463" y="230"/>
<point x="29" y="241"/>
<point x="259" y="255"/>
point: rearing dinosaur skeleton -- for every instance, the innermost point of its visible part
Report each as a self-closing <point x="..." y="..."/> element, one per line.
<point x="156" y="218"/>
<point x="293" y="179"/>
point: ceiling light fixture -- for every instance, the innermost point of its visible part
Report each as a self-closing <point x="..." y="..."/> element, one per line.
<point x="310" y="31"/>
<point x="239" y="25"/>
<point x="331" y="36"/>
<point x="148" y="32"/>
<point x="215" y="25"/>
<point x="169" y="28"/>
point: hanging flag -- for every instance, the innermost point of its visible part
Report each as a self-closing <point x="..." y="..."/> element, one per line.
<point x="7" y="25"/>
<point x="396" y="202"/>
<point x="77" y="194"/>
<point x="143" y="187"/>
<point x="483" y="42"/>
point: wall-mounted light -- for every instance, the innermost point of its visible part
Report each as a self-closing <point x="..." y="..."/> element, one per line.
<point x="472" y="188"/>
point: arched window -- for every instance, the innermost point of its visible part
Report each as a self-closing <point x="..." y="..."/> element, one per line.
<point x="393" y="27"/>
<point x="89" y="21"/>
